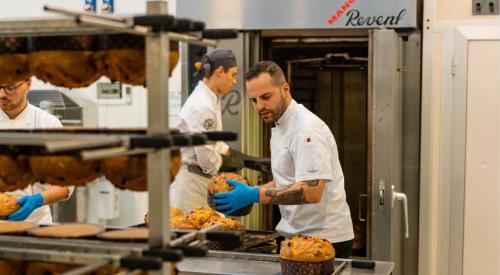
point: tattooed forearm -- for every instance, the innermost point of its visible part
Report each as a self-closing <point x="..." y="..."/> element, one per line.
<point x="311" y="183"/>
<point x="287" y="197"/>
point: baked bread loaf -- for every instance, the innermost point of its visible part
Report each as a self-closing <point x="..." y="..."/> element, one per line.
<point x="121" y="57"/>
<point x="307" y="255"/>
<point x="8" y="205"/>
<point x="175" y="213"/>
<point x="15" y="173"/>
<point x="198" y="217"/>
<point x="14" y="66"/>
<point x="64" y="170"/>
<point x="228" y="224"/>
<point x="133" y="234"/>
<point x="65" y="61"/>
<point x="130" y="172"/>
<point x="218" y="185"/>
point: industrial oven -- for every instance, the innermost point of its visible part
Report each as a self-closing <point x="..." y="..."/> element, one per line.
<point x="355" y="64"/>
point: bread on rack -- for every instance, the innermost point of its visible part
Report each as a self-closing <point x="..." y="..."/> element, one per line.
<point x="14" y="66"/>
<point x="218" y="184"/>
<point x="198" y="217"/>
<point x="15" y="173"/>
<point x="65" y="61"/>
<point x="8" y="205"/>
<point x="121" y="57"/>
<point x="11" y="267"/>
<point x="227" y="224"/>
<point x="43" y="268"/>
<point x="130" y="172"/>
<point x="223" y="224"/>
<point x="175" y="213"/>
<point x="64" y="170"/>
<point x="307" y="255"/>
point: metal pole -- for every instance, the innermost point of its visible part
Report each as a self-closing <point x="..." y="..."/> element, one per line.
<point x="157" y="53"/>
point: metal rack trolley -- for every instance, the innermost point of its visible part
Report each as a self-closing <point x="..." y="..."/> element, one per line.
<point x="97" y="253"/>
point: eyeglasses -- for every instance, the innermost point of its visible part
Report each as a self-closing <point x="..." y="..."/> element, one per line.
<point x="11" y="89"/>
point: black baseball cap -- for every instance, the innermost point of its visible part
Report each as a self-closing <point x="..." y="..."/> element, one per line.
<point x="216" y="58"/>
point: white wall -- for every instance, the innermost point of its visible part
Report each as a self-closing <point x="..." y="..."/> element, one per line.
<point x="133" y="205"/>
<point x="437" y="253"/>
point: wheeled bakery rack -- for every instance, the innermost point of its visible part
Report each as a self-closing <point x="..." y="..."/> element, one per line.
<point x="158" y="28"/>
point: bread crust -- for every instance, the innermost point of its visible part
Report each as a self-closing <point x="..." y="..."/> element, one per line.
<point x="307" y="249"/>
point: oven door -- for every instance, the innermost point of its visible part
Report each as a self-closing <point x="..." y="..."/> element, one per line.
<point x="388" y="225"/>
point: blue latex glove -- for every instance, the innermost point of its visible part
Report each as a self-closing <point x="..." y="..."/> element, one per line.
<point x="29" y="204"/>
<point x="232" y="201"/>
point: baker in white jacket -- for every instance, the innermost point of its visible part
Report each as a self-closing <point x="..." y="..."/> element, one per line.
<point x="17" y="113"/>
<point x="202" y="113"/>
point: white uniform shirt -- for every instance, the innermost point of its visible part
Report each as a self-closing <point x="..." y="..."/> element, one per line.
<point x="303" y="148"/>
<point x="33" y="117"/>
<point x="200" y="113"/>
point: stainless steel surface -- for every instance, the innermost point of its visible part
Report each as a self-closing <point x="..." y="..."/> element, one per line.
<point x="158" y="162"/>
<point x="232" y="102"/>
<point x="44" y="27"/>
<point x="398" y="196"/>
<point x="90" y="246"/>
<point x="249" y="263"/>
<point x="340" y="268"/>
<point x="56" y="256"/>
<point x="300" y="14"/>
<point x="385" y="118"/>
<point x="54" y="143"/>
<point x="411" y="147"/>
<point x="111" y="152"/>
<point x="88" y="268"/>
<point x="192" y="39"/>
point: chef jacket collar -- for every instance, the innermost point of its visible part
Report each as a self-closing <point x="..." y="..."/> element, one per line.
<point x="20" y="116"/>
<point x="287" y="115"/>
<point x="213" y="96"/>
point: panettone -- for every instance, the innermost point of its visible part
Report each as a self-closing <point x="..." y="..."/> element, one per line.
<point x="14" y="66"/>
<point x="218" y="185"/>
<point x="228" y="224"/>
<point x="15" y="173"/>
<point x="198" y="217"/>
<point x="64" y="170"/>
<point x="65" y="61"/>
<point x="175" y="213"/>
<point x="8" y="204"/>
<point x="130" y="172"/>
<point x="121" y="57"/>
<point x="307" y="255"/>
<point x="182" y="224"/>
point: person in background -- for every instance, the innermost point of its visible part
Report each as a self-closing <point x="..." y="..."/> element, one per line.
<point x="202" y="113"/>
<point x="308" y="181"/>
<point x="17" y="113"/>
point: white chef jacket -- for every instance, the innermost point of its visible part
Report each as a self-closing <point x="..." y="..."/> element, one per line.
<point x="303" y="148"/>
<point x="200" y="113"/>
<point x="33" y="117"/>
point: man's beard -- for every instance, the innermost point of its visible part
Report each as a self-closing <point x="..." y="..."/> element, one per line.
<point x="276" y="113"/>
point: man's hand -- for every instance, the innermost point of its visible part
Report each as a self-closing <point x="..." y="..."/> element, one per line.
<point x="232" y="201"/>
<point x="29" y="204"/>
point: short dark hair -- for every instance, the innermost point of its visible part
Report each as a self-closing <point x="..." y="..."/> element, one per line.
<point x="269" y="67"/>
